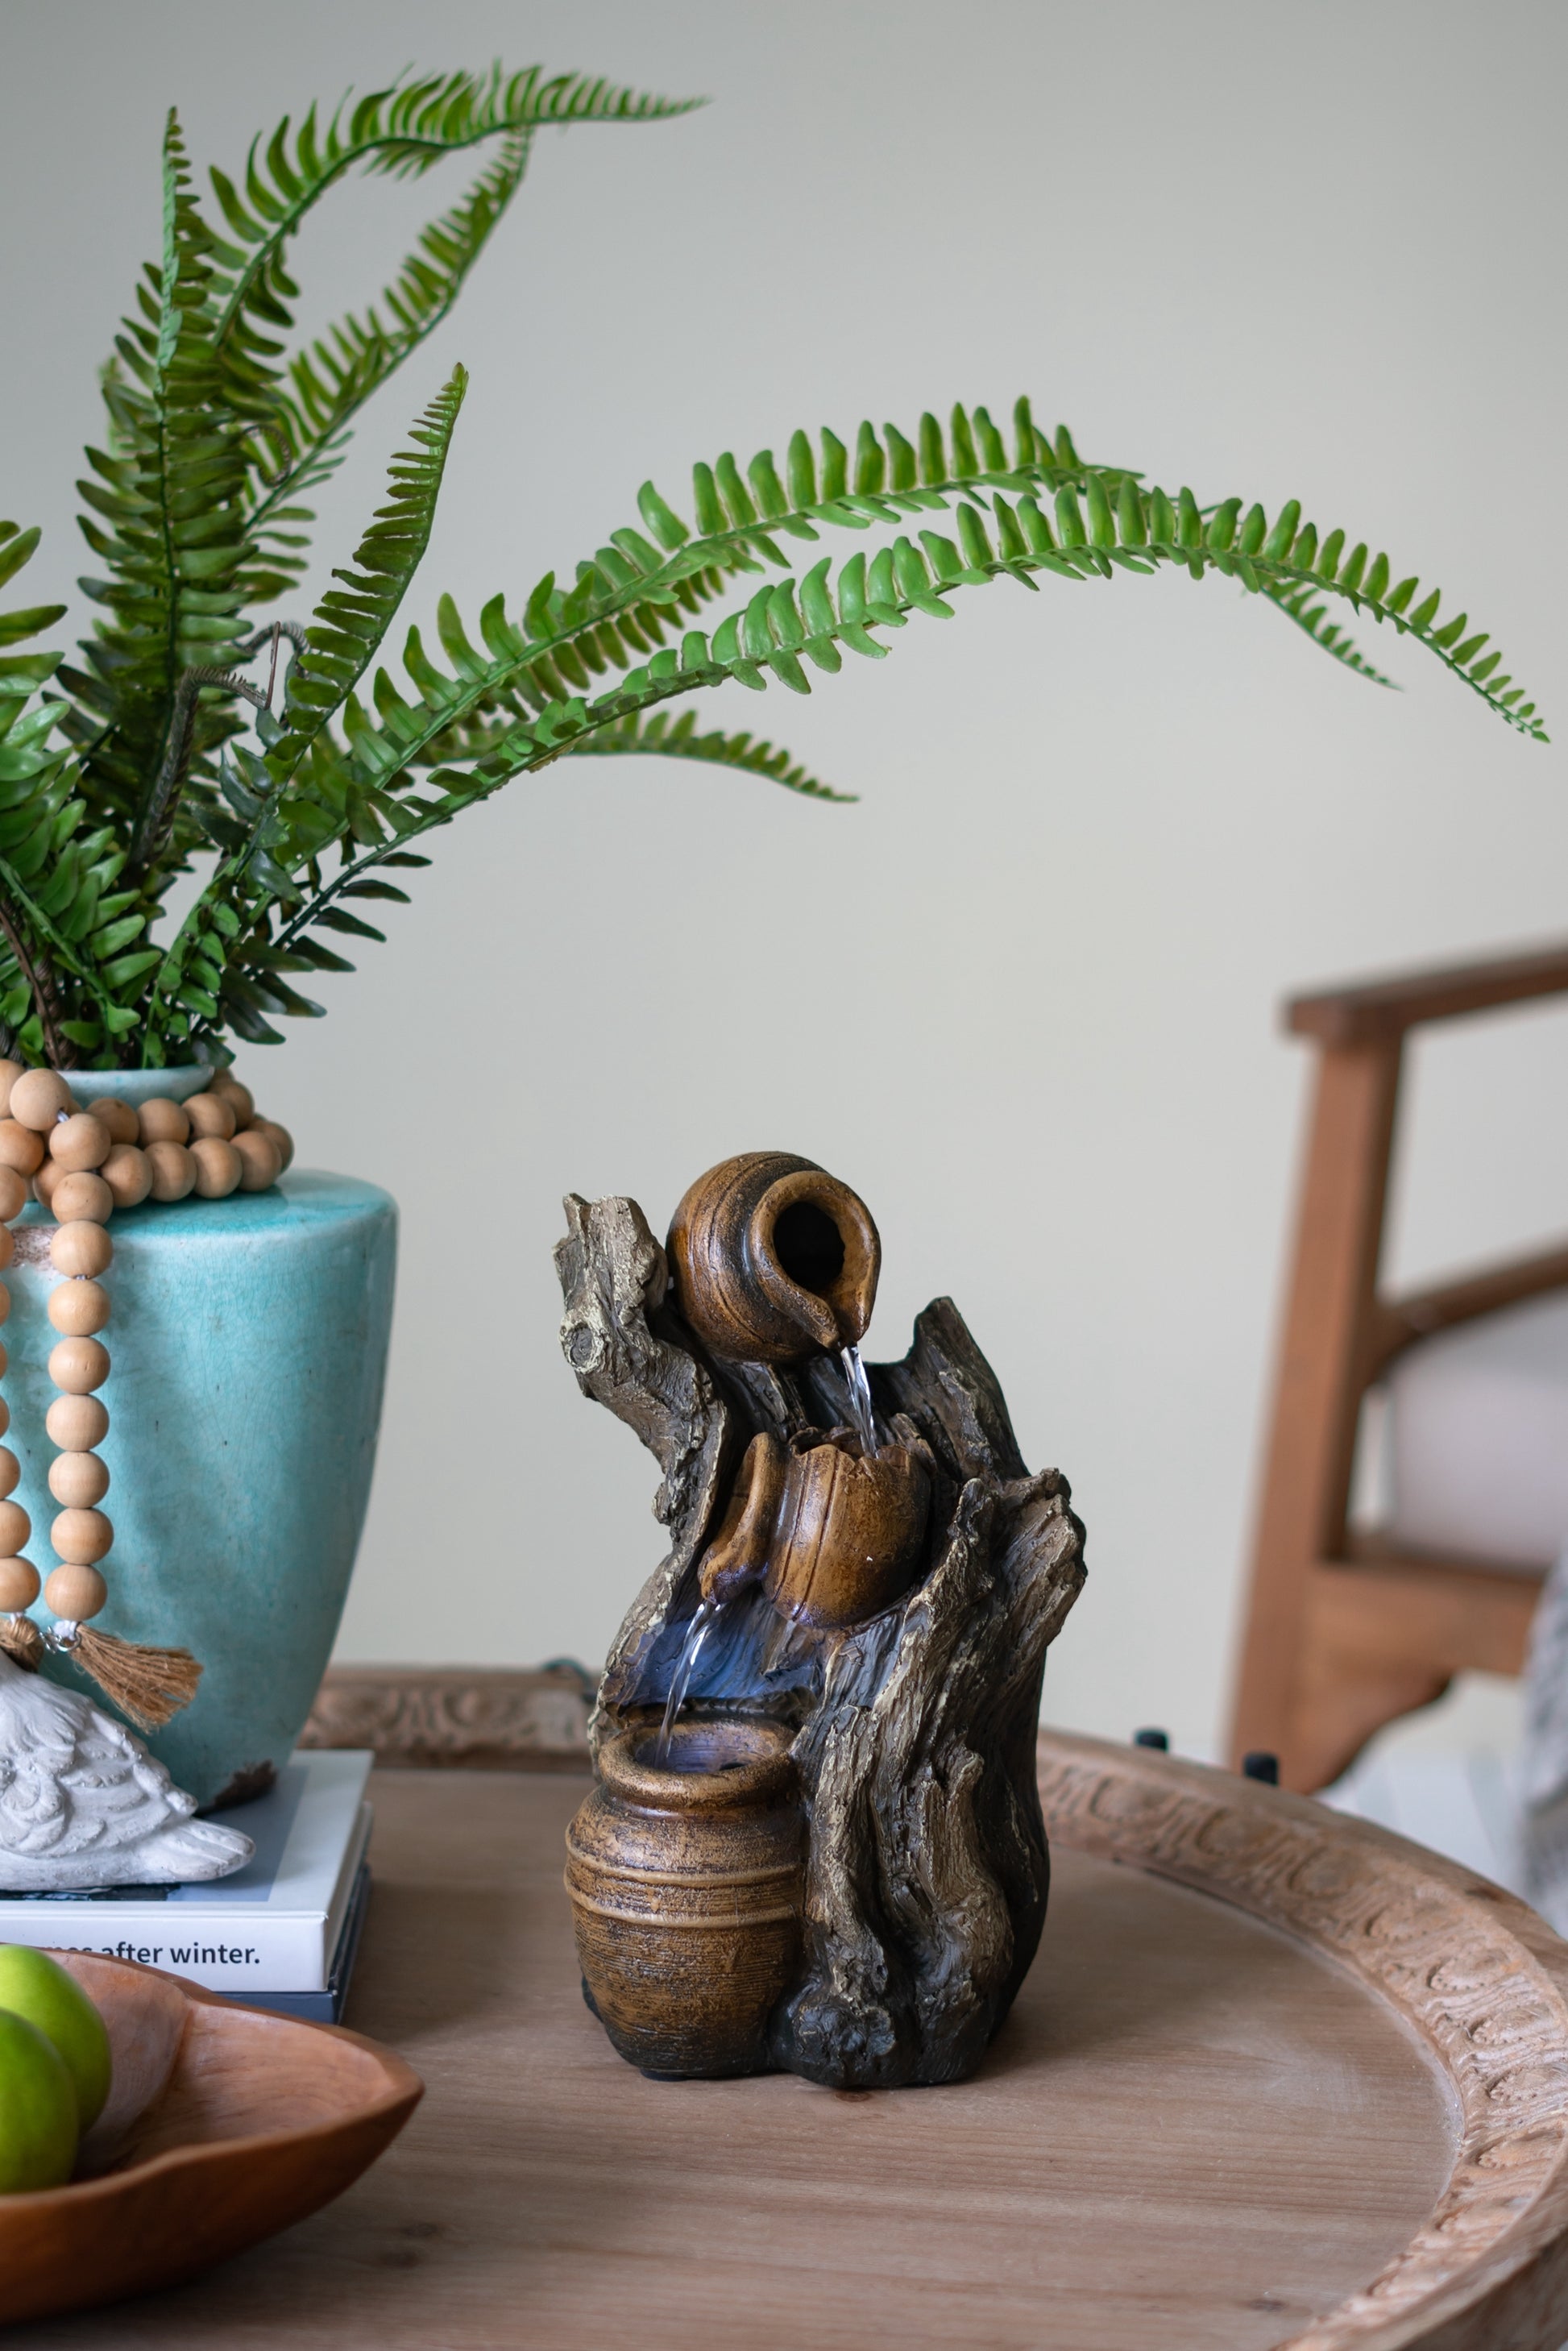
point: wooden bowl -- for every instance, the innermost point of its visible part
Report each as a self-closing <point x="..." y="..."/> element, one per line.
<point x="223" y="2125"/>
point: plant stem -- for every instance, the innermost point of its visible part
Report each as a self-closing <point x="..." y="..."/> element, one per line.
<point x="158" y="813"/>
<point x="40" y="980"/>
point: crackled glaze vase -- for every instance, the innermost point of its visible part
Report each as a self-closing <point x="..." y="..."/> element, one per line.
<point x="249" y="1346"/>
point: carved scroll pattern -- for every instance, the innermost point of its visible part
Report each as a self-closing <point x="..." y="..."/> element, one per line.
<point x="1477" y="1974"/>
<point x="414" y="1715"/>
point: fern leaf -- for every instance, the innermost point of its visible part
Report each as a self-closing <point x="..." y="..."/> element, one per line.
<point x="403" y="130"/>
<point x="168" y="516"/>
<point x="277" y="837"/>
<point x="22" y="673"/>
<point x="634" y="590"/>
<point x="352" y="619"/>
<point x="678" y="739"/>
<point x="330" y="383"/>
<point x="1306" y="609"/>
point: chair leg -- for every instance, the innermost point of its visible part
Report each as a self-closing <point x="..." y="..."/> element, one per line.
<point x="1283" y="1694"/>
<point x="1341" y="1701"/>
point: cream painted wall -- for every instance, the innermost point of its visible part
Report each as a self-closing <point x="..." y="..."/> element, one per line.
<point x="1021" y="996"/>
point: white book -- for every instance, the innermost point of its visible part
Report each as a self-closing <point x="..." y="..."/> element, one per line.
<point x="273" y="1926"/>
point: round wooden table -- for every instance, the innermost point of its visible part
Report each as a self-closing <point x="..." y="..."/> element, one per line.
<point x="1276" y="2077"/>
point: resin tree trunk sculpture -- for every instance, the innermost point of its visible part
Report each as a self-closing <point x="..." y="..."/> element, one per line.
<point x="912" y="1721"/>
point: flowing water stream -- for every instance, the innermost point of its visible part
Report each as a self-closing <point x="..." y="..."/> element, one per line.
<point x="859" y="1399"/>
<point x="704" y="1618"/>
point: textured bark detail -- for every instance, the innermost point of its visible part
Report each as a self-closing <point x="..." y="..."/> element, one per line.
<point x="915" y="1731"/>
<point x="633" y="1355"/>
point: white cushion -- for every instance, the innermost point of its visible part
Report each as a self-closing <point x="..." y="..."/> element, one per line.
<point x="1478" y="1437"/>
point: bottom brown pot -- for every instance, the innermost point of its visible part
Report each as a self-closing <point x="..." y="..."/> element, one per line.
<point x="688" y="1882"/>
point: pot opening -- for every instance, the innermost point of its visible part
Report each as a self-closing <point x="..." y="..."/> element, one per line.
<point x="707" y="1748"/>
<point x="809" y="1245"/>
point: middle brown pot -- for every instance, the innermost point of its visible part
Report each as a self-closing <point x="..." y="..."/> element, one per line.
<point x="835" y="1534"/>
<point x="688" y="1883"/>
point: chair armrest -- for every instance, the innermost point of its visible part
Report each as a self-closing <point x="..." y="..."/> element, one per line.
<point x="1378" y="1012"/>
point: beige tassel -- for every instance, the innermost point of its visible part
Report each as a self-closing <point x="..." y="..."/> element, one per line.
<point x="147" y="1685"/>
<point x="22" y="1642"/>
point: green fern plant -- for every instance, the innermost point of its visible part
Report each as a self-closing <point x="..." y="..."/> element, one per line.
<point x="279" y="751"/>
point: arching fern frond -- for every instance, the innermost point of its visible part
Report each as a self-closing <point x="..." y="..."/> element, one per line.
<point x="1037" y="510"/>
<point x="330" y="383"/>
<point x="403" y="129"/>
<point x="678" y="739"/>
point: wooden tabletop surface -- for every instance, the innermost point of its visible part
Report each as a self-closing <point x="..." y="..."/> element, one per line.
<point x="1192" y="2133"/>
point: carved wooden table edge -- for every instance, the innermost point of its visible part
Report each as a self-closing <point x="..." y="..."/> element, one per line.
<point x="1477" y="1974"/>
<point x="459" y="1718"/>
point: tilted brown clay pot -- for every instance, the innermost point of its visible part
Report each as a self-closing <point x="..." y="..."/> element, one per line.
<point x="687" y="1886"/>
<point x="836" y="1537"/>
<point x="774" y="1260"/>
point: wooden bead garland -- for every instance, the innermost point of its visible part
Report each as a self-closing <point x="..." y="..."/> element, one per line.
<point x="82" y="1164"/>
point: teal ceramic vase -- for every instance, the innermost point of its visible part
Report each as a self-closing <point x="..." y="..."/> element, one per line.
<point x="248" y="1343"/>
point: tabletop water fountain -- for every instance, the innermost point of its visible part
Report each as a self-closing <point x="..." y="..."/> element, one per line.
<point x="816" y="1842"/>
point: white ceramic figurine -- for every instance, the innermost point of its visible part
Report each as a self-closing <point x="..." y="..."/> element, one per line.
<point x="82" y="1804"/>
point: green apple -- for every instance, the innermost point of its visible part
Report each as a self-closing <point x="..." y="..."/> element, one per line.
<point x="38" y="2109"/>
<point x="35" y="1986"/>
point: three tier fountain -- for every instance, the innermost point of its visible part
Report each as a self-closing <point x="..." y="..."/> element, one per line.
<point x="815" y="1841"/>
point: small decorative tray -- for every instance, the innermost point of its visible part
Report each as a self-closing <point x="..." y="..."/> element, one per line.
<point x="223" y="2125"/>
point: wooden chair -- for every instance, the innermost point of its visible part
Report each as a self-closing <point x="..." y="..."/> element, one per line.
<point x="1345" y="1633"/>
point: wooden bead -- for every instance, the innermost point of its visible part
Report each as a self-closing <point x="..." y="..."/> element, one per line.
<point x="7" y="1247"/>
<point x="79" y="1481"/>
<point x="239" y="1096"/>
<point x="81" y="1141"/>
<point x="12" y="1194"/>
<point x="75" y="1593"/>
<point x="77" y="1365"/>
<point x="5" y="1361"/>
<point x="80" y="1537"/>
<point x="174" y="1170"/>
<point x="4" y="1304"/>
<point x="9" y="1073"/>
<point x="44" y="1181"/>
<point x="20" y="1148"/>
<point x="81" y="1249"/>
<point x="219" y="1167"/>
<point x="119" y="1117"/>
<point x="76" y="1423"/>
<point x="38" y="1097"/>
<point x="260" y="1157"/>
<point x="18" y="1585"/>
<point x="210" y="1114"/>
<point x="128" y="1175"/>
<point x="77" y="1309"/>
<point x="80" y="1194"/>
<point x="10" y="1470"/>
<point x="280" y="1135"/>
<point x="161" y="1120"/>
<point x="4" y="1416"/>
<point x="15" y="1526"/>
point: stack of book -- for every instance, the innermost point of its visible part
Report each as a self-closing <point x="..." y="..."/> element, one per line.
<point x="281" y="1933"/>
